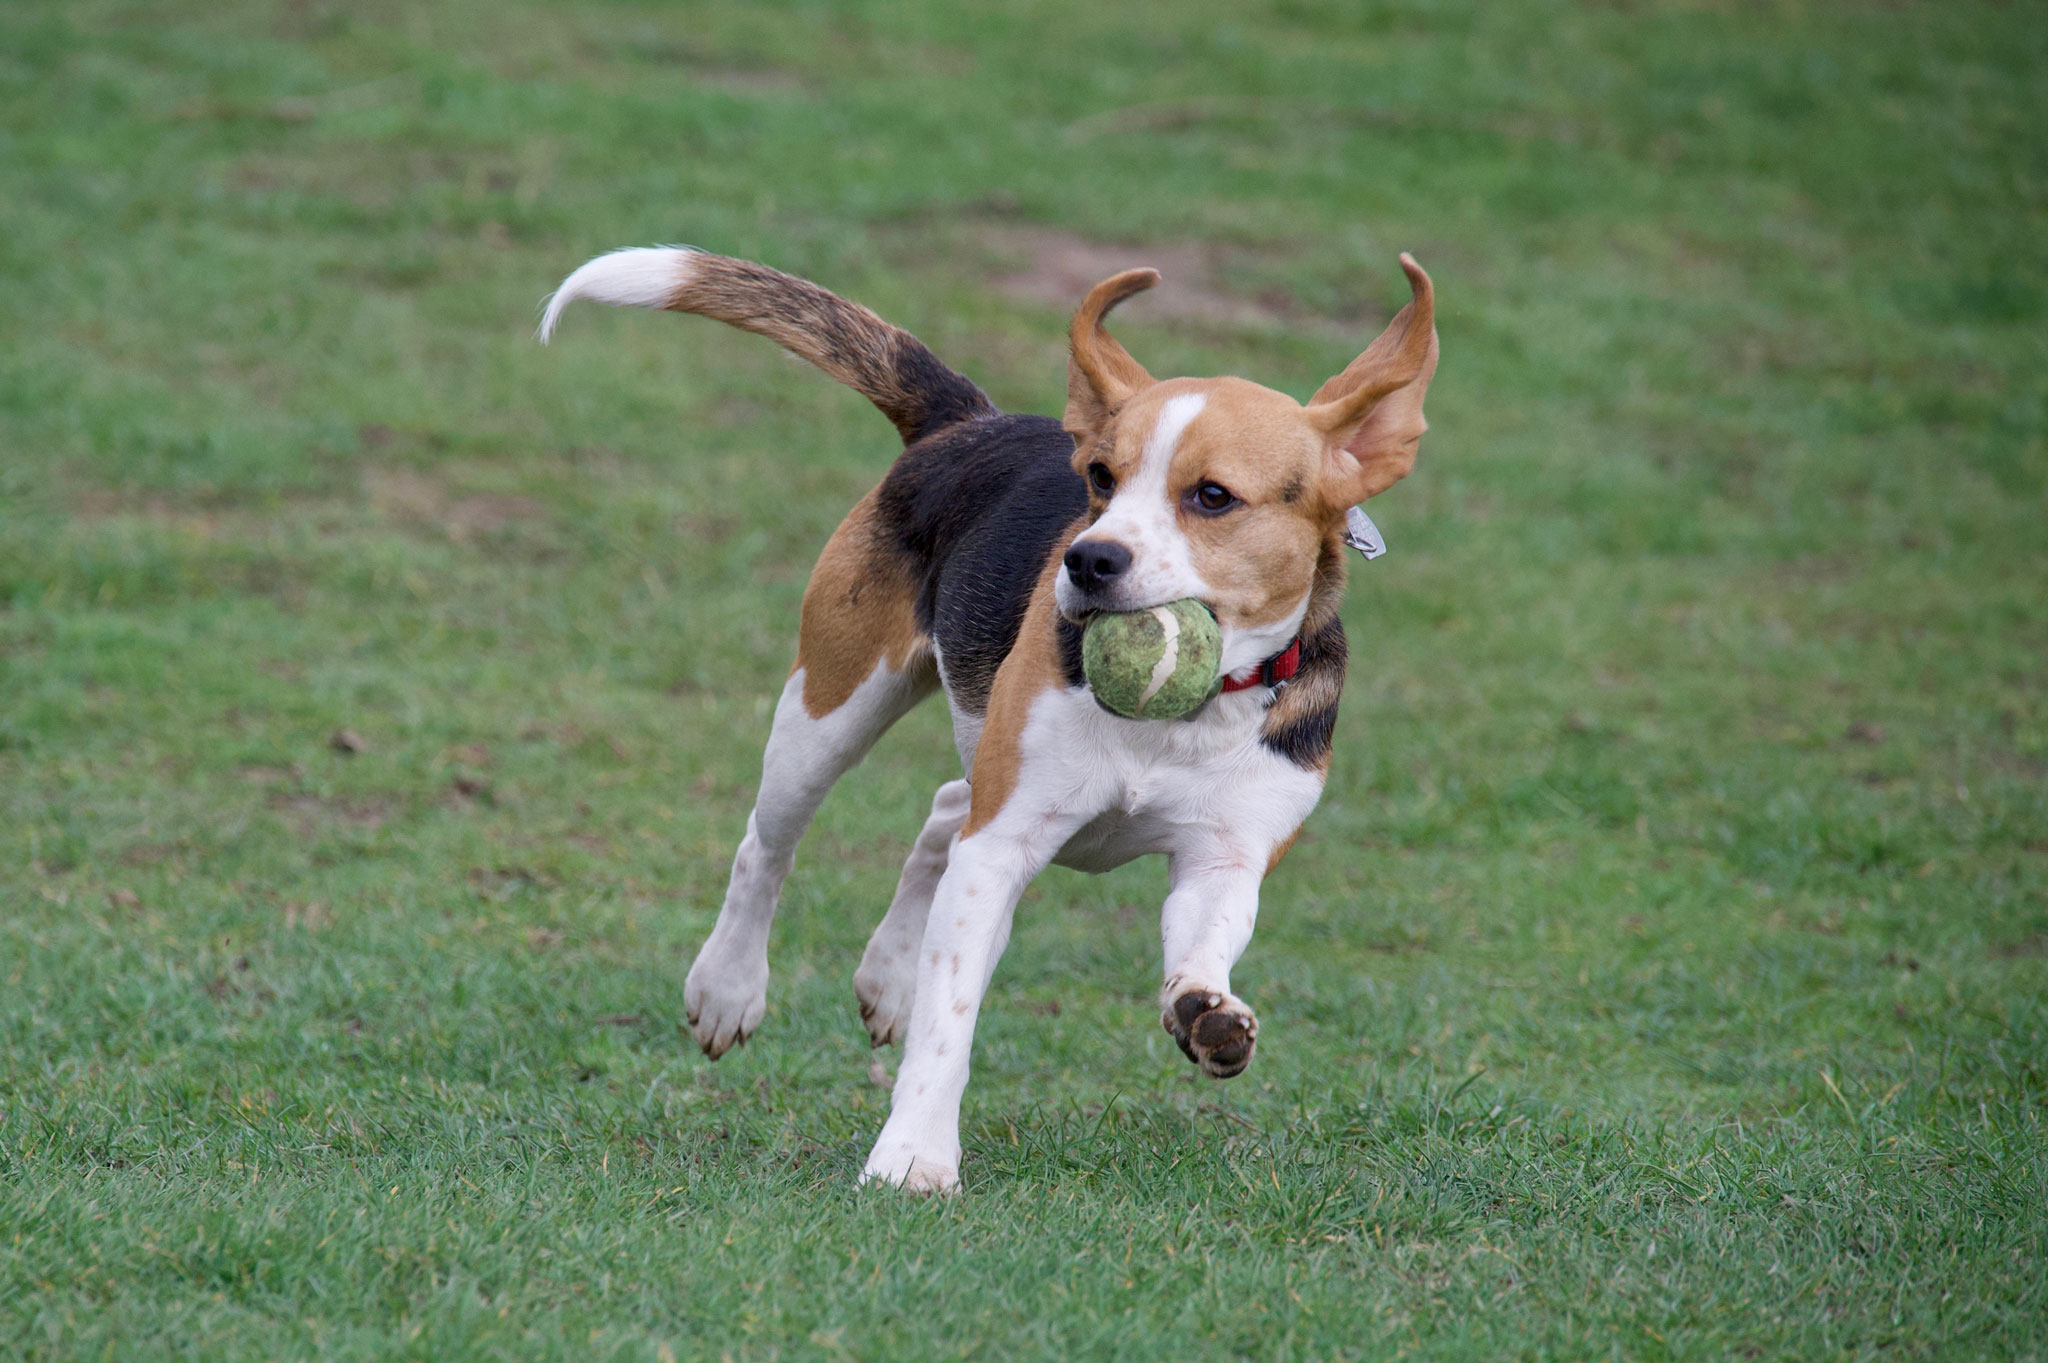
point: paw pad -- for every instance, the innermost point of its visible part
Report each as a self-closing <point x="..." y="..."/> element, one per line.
<point x="1216" y="1032"/>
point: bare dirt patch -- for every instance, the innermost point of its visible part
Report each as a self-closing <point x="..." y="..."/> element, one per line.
<point x="1056" y="268"/>
<point x="403" y="494"/>
<point x="484" y="515"/>
<point x="1215" y="286"/>
<point x="2026" y="947"/>
<point x="1059" y="267"/>
<point x="410" y="497"/>
<point x="310" y="815"/>
<point x="114" y="503"/>
<point x="499" y="883"/>
<point x="312" y="916"/>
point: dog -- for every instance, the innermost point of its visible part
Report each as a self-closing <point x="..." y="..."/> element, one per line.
<point x="972" y="569"/>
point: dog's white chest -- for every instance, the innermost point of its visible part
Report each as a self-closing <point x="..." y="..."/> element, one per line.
<point x="1205" y="787"/>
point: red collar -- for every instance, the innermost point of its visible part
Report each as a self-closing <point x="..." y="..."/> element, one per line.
<point x="1273" y="671"/>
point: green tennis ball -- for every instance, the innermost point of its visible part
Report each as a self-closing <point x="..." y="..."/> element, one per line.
<point x="1153" y="664"/>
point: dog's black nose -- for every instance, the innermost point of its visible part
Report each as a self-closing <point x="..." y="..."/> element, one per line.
<point x="1092" y="563"/>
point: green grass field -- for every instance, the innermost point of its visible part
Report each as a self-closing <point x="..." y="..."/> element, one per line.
<point x="1664" y="975"/>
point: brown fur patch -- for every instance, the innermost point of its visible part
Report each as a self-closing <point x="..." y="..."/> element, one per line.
<point x="1032" y="668"/>
<point x="860" y="609"/>
<point x="1281" y="851"/>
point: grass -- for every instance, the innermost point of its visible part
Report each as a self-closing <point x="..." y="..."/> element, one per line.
<point x="1663" y="975"/>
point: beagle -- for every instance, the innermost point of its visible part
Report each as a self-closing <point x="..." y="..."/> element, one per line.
<point x="972" y="569"/>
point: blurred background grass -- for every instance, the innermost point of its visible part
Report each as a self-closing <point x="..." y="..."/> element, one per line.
<point x="1682" y="884"/>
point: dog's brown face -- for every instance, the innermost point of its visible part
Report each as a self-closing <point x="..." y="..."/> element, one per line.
<point x="1214" y="487"/>
<point x="1223" y="490"/>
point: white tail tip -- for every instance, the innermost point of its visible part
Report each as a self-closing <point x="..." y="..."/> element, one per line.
<point x="636" y="277"/>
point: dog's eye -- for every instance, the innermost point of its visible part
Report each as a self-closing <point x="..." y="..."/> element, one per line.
<point x="1212" y="499"/>
<point x="1101" y="479"/>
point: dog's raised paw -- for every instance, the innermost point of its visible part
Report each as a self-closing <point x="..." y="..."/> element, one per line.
<point x="1214" y="1030"/>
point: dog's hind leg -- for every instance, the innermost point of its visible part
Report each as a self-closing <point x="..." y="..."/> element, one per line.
<point x="727" y="989"/>
<point x="887" y="979"/>
<point x="861" y="664"/>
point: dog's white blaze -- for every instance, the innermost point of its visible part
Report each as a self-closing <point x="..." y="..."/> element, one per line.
<point x="1174" y="419"/>
<point x="1143" y="516"/>
<point x="1162" y="671"/>
<point x="637" y="277"/>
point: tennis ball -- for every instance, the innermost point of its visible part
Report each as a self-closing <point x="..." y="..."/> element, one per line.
<point x="1153" y="664"/>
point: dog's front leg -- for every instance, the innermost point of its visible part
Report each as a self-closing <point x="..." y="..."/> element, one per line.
<point x="1204" y="927"/>
<point x="968" y="927"/>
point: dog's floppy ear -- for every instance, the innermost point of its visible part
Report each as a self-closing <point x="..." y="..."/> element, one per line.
<point x="1371" y="414"/>
<point x="1101" y="375"/>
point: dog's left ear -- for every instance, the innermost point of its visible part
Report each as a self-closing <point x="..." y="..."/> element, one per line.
<point x="1371" y="414"/>
<point x="1101" y="375"/>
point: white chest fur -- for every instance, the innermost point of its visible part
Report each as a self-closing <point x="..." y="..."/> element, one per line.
<point x="1204" y="787"/>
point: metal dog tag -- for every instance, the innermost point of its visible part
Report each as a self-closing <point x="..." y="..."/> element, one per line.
<point x="1361" y="534"/>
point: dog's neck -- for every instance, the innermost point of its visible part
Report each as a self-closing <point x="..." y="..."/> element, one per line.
<point x="1326" y="592"/>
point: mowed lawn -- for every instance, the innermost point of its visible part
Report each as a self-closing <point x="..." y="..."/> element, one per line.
<point x="1662" y="976"/>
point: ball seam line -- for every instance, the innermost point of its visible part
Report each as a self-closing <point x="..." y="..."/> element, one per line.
<point x="1169" y="658"/>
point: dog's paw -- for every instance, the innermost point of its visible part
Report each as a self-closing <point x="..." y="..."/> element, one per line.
<point x="916" y="1174"/>
<point x="724" y="1000"/>
<point x="1213" y="1029"/>
<point x="885" y="986"/>
<point x="916" y="1156"/>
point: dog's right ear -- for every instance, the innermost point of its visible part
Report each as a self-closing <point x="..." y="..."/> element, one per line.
<point x="1371" y="414"/>
<point x="1101" y="375"/>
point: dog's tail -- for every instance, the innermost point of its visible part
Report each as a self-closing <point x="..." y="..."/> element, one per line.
<point x="884" y="364"/>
